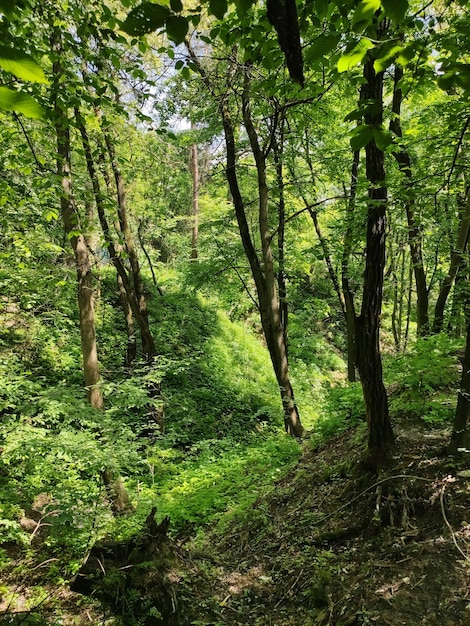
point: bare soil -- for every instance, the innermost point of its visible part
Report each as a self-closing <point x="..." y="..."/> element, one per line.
<point x="337" y="545"/>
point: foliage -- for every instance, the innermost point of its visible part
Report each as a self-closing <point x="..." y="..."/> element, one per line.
<point x="198" y="432"/>
<point x="422" y="378"/>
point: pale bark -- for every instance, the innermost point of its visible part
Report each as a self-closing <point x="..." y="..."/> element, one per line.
<point x="194" y="166"/>
<point x="77" y="239"/>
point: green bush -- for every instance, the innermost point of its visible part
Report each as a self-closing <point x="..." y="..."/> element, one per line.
<point x="420" y="380"/>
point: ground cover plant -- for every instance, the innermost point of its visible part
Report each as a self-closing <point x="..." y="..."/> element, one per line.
<point x="234" y="312"/>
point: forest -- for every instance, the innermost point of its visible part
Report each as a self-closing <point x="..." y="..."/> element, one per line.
<point x="234" y="312"/>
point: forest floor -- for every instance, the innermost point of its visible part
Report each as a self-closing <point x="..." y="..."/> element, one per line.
<point x="337" y="545"/>
<point x="333" y="544"/>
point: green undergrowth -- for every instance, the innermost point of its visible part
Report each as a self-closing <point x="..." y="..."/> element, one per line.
<point x="220" y="478"/>
<point x="423" y="381"/>
<point x="222" y="444"/>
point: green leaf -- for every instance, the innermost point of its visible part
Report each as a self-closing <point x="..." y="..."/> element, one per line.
<point x="218" y="8"/>
<point x="11" y="100"/>
<point x="395" y="9"/>
<point x="176" y="28"/>
<point x="321" y="7"/>
<point x="365" y="11"/>
<point x="351" y="58"/>
<point x="7" y="7"/>
<point x="145" y="18"/>
<point x="243" y="6"/>
<point x="387" y="59"/>
<point x="21" y="65"/>
<point x="407" y="54"/>
<point x="176" y="6"/>
<point x="361" y="135"/>
<point x="322" y="46"/>
<point x="382" y="137"/>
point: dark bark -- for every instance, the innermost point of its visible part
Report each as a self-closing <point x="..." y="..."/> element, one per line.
<point x="460" y="432"/>
<point x="282" y="14"/>
<point x="456" y="260"/>
<point x="368" y="356"/>
<point x="415" y="235"/>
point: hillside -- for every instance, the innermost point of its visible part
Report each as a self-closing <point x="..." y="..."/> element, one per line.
<point x="330" y="544"/>
<point x="334" y="544"/>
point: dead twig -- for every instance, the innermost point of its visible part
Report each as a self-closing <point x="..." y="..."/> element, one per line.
<point x="447" y="523"/>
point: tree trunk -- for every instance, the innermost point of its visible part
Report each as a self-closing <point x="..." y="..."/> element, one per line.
<point x="194" y="166"/>
<point x="131" y="349"/>
<point x="345" y="284"/>
<point x="368" y="323"/>
<point x="278" y="148"/>
<point x="148" y="344"/>
<point x="79" y="245"/>
<point x="261" y="270"/>
<point x="460" y="433"/>
<point x="415" y="235"/>
<point x="456" y="260"/>
<point x="268" y="298"/>
<point x="127" y="294"/>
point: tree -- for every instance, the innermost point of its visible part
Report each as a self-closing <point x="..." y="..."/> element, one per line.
<point x="368" y="322"/>
<point x="261" y="264"/>
<point x="71" y="222"/>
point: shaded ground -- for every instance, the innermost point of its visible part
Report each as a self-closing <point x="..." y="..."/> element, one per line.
<point x="332" y="545"/>
<point x="336" y="545"/>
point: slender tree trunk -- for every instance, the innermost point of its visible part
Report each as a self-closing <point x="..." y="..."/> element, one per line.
<point x="278" y="149"/>
<point x="331" y="270"/>
<point x="131" y="349"/>
<point x="456" y="260"/>
<point x="194" y="166"/>
<point x="408" y="306"/>
<point x="345" y="283"/>
<point x="147" y="256"/>
<point x="79" y="245"/>
<point x="368" y="322"/>
<point x="127" y="294"/>
<point x="415" y="235"/>
<point x="460" y="433"/>
<point x="395" y="324"/>
<point x="148" y="344"/>
<point x="328" y="261"/>
<point x="268" y="299"/>
<point x="261" y="270"/>
<point x="129" y="301"/>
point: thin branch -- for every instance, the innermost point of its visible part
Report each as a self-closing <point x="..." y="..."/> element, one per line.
<point x="457" y="149"/>
<point x="39" y="165"/>
<point x="309" y="207"/>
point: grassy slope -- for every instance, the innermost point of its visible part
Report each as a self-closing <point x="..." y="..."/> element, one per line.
<point x="218" y="462"/>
